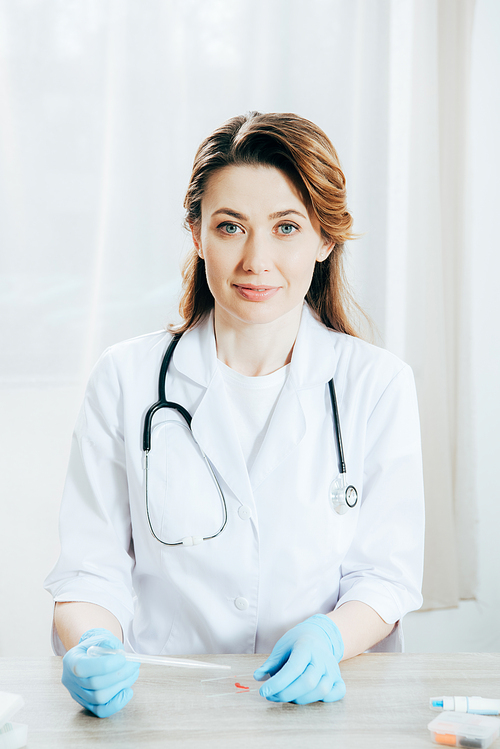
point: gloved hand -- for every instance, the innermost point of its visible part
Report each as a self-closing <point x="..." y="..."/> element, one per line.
<point x="102" y="684"/>
<point x="304" y="664"/>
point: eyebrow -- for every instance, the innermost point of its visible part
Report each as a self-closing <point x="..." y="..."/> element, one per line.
<point x="242" y="217"/>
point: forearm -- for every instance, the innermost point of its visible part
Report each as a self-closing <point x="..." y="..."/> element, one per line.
<point x="360" y="626"/>
<point x="73" y="618"/>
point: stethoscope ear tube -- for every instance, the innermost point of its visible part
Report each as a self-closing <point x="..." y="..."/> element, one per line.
<point x="336" y="423"/>
<point x="146" y="437"/>
<point x="162" y="402"/>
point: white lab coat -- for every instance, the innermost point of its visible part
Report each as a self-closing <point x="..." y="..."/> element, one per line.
<point x="285" y="554"/>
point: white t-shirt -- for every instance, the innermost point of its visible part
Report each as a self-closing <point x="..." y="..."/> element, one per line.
<point x="252" y="401"/>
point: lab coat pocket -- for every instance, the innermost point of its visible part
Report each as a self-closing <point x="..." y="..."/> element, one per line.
<point x="183" y="496"/>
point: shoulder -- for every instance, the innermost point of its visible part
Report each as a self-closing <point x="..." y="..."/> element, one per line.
<point x="362" y="372"/>
<point x="123" y="379"/>
<point x="370" y="375"/>
<point x="321" y="354"/>
<point x="150" y="344"/>
<point x="332" y="354"/>
<point x="127" y="359"/>
<point x="361" y="355"/>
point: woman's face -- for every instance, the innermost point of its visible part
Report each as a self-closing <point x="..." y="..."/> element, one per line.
<point x="259" y="243"/>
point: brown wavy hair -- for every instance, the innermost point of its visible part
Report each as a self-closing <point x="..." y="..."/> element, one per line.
<point x="303" y="152"/>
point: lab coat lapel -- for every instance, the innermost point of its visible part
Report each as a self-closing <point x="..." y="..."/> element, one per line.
<point x="313" y="363"/>
<point x="215" y="432"/>
<point x="285" y="431"/>
<point x="314" y="358"/>
<point x="212" y="425"/>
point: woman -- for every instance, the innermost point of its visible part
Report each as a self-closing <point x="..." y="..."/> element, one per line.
<point x="294" y="560"/>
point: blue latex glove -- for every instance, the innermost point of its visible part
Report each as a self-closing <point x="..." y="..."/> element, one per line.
<point x="304" y="664"/>
<point x="102" y="684"/>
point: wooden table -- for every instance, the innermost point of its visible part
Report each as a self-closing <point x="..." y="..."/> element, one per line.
<point x="386" y="705"/>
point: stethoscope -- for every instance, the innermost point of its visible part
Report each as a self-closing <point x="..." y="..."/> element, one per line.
<point x="341" y="496"/>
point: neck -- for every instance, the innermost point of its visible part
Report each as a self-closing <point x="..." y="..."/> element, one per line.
<point x="255" y="349"/>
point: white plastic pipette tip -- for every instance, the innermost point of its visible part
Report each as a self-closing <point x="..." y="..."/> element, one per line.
<point x="95" y="651"/>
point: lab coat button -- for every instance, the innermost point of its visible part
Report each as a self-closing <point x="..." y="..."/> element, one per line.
<point x="244" y="512"/>
<point x="241" y="604"/>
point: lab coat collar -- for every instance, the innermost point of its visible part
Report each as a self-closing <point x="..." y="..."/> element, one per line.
<point x="315" y="354"/>
<point x="215" y="432"/>
<point x="196" y="354"/>
<point x="313" y="362"/>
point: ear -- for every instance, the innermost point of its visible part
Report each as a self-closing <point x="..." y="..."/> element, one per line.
<point x="195" y="233"/>
<point x="325" y="249"/>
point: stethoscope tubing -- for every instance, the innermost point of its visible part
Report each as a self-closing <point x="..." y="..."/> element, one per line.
<point x="162" y="403"/>
<point x="336" y="426"/>
<point x="219" y="491"/>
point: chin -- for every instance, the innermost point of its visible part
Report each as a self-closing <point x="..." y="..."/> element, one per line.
<point x="259" y="314"/>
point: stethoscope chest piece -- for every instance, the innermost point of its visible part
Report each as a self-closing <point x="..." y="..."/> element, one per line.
<point x="342" y="497"/>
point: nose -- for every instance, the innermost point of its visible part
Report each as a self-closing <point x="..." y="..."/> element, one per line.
<point x="256" y="255"/>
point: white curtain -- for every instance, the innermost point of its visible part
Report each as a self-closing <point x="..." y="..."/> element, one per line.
<point x="102" y="105"/>
<point x="428" y="265"/>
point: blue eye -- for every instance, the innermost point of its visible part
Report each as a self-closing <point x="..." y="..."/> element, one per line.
<point x="230" y="228"/>
<point x="288" y="228"/>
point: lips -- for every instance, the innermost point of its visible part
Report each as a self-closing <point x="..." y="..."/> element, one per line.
<point x="253" y="287"/>
<point x="254" y="293"/>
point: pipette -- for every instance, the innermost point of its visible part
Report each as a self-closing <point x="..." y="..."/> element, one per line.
<point x="159" y="660"/>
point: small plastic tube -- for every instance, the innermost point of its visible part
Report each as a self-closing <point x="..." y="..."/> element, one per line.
<point x="477" y="705"/>
<point x="158" y="660"/>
